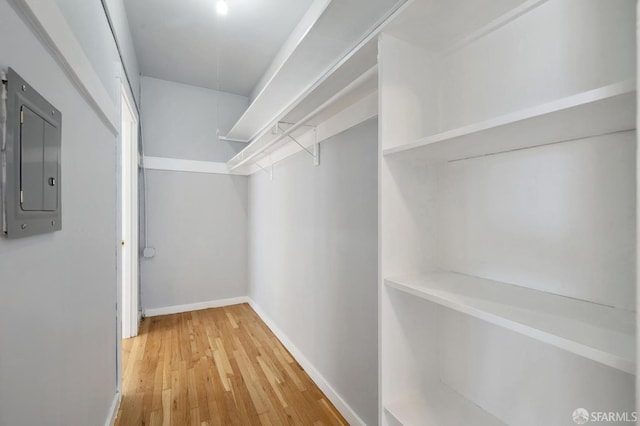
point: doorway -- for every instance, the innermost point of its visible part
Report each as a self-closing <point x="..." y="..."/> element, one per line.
<point x="129" y="219"/>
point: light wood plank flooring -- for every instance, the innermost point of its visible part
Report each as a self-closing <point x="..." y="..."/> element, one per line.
<point x="219" y="366"/>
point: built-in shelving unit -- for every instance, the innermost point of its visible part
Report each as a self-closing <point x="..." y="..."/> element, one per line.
<point x="597" y="332"/>
<point x="439" y="405"/>
<point x="507" y="212"/>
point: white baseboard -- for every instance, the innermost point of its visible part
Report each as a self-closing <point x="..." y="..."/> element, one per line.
<point x="113" y="411"/>
<point x="195" y="306"/>
<point x="344" y="409"/>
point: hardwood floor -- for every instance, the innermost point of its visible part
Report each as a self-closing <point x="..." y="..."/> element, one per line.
<point x="219" y="366"/>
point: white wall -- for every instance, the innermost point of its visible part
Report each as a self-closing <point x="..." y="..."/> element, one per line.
<point x="89" y="24"/>
<point x="57" y="309"/>
<point x="180" y="121"/>
<point x="569" y="230"/>
<point x="120" y="23"/>
<point x="198" y="226"/>
<point x="197" y="222"/>
<point x="583" y="44"/>
<point x="313" y="260"/>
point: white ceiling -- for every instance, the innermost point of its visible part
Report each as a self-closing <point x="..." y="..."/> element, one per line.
<point x="177" y="40"/>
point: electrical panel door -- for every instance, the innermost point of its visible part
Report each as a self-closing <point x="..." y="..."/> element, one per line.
<point x="31" y="150"/>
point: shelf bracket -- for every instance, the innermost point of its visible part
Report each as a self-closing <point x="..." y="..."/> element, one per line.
<point x="316" y="149"/>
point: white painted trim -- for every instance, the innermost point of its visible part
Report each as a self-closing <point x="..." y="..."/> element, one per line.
<point x="113" y="411"/>
<point x="50" y="24"/>
<point x="129" y="169"/>
<point x="347" y="412"/>
<point x="195" y="306"/>
<point x="356" y="113"/>
<point x="180" y="165"/>
<point x="129" y="93"/>
<point x="226" y="139"/>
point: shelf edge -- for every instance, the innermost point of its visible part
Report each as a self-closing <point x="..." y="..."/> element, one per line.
<point x="611" y="360"/>
<point x="584" y="98"/>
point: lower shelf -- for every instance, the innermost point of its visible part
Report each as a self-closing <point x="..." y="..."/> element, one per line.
<point x="600" y="333"/>
<point x="439" y="406"/>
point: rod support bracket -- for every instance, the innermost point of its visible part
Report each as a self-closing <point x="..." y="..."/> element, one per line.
<point x="316" y="148"/>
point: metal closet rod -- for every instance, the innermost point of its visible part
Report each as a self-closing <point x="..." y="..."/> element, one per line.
<point x="282" y="135"/>
<point x="303" y="122"/>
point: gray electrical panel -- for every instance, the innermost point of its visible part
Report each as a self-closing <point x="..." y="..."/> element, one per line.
<point x="31" y="162"/>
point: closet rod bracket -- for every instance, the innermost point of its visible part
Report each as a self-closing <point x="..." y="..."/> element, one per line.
<point x="315" y="153"/>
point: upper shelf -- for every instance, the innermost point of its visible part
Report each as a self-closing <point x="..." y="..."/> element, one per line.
<point x="604" y="110"/>
<point x="333" y="32"/>
<point x="354" y="79"/>
<point x="597" y="332"/>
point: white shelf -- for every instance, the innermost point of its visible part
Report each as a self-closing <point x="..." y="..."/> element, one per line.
<point x="604" y="110"/>
<point x="312" y="111"/>
<point x="311" y="58"/>
<point x="439" y="406"/>
<point x="600" y="333"/>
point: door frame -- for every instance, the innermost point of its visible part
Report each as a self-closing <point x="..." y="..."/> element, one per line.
<point x="129" y="244"/>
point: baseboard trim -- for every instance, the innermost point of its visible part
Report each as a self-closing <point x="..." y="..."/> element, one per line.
<point x="340" y="404"/>
<point x="195" y="306"/>
<point x="113" y="411"/>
